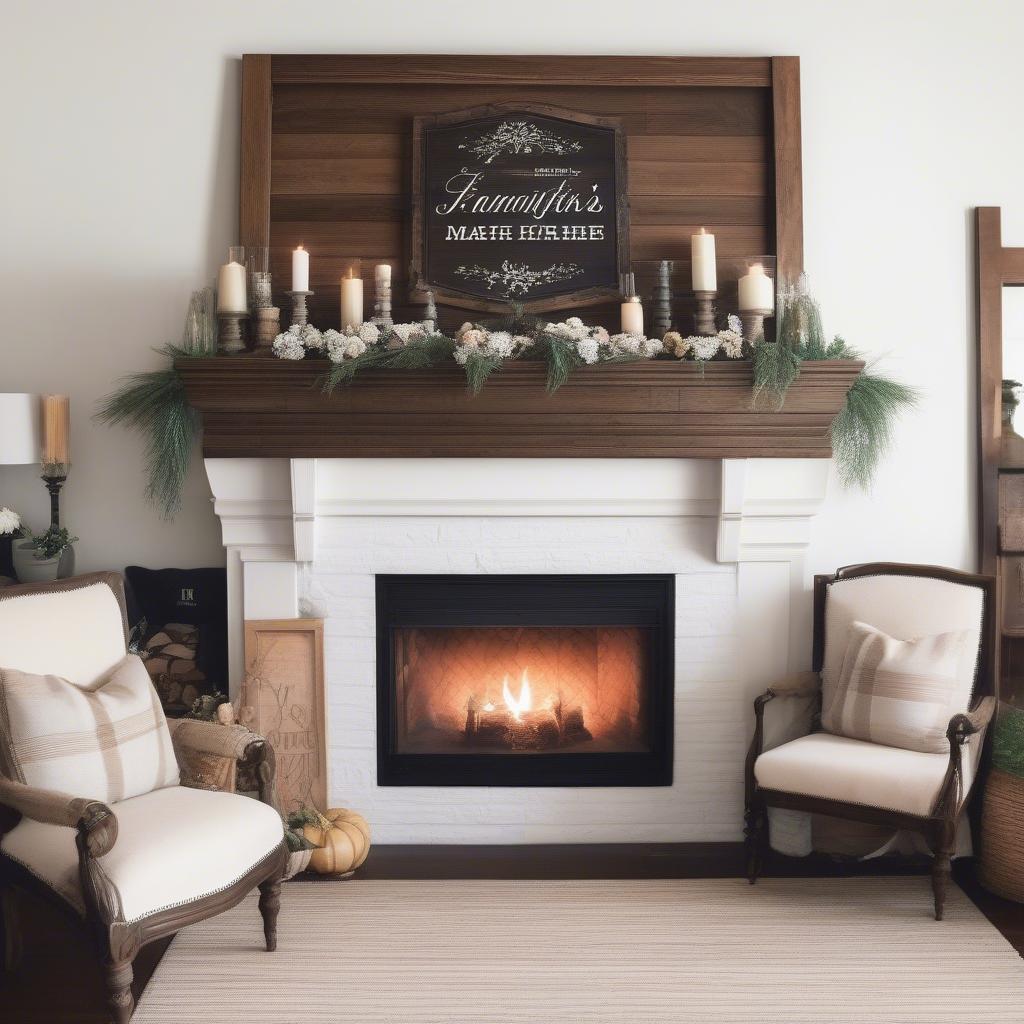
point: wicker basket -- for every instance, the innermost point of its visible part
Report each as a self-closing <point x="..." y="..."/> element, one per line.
<point x="1001" y="865"/>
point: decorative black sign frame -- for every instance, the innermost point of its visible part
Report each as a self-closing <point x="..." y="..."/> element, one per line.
<point x="519" y="202"/>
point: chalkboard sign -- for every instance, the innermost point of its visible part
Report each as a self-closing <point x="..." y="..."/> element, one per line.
<point x="519" y="203"/>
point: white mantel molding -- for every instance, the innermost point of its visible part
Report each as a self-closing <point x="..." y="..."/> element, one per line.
<point x="269" y="510"/>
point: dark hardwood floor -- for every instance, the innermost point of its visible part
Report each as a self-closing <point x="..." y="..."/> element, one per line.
<point x="59" y="981"/>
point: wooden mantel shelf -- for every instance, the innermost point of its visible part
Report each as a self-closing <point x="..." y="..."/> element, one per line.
<point x="265" y="407"/>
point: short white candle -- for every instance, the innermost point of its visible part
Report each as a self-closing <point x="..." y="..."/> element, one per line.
<point x="757" y="290"/>
<point x="300" y="270"/>
<point x="632" y="316"/>
<point x="702" y="258"/>
<point x="351" y="301"/>
<point x="231" y="289"/>
<point x="382" y="272"/>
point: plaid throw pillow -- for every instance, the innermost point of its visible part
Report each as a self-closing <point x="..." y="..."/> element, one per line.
<point x="106" y="742"/>
<point x="900" y="693"/>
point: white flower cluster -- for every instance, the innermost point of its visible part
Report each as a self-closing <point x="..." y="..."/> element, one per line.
<point x="10" y="521"/>
<point x="350" y="344"/>
<point x="595" y="344"/>
<point x="471" y="338"/>
<point x="297" y="340"/>
<point x="703" y="347"/>
<point x="400" y="335"/>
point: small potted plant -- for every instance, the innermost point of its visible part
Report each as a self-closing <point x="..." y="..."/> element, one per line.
<point x="1001" y="868"/>
<point x="38" y="559"/>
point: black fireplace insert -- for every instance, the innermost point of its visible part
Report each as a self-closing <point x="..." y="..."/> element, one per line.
<point x="525" y="680"/>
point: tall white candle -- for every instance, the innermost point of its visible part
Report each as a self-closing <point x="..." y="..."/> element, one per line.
<point x="757" y="290"/>
<point x="702" y="258"/>
<point x="632" y="316"/>
<point x="351" y="301"/>
<point x="231" y="289"/>
<point x="300" y="270"/>
<point x="382" y="272"/>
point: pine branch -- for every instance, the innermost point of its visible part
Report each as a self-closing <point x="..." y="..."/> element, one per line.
<point x="433" y="350"/>
<point x="478" y="368"/>
<point x="155" y="405"/>
<point x="776" y="366"/>
<point x="560" y="356"/>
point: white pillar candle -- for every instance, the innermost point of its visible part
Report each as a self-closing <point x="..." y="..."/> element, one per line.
<point x="632" y="316"/>
<point x="757" y="290"/>
<point x="702" y="259"/>
<point x="231" y="289"/>
<point x="382" y="273"/>
<point x="300" y="270"/>
<point x="351" y="301"/>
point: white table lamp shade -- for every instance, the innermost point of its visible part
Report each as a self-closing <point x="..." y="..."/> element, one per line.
<point x="20" y="434"/>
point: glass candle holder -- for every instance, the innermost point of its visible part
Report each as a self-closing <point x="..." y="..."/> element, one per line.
<point x="260" y="290"/>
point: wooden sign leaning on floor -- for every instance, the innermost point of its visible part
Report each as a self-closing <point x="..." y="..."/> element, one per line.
<point x="283" y="700"/>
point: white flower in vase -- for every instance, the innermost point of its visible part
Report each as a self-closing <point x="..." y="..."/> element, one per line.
<point x="10" y="522"/>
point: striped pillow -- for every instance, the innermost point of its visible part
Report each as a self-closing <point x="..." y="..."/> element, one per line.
<point x="900" y="693"/>
<point x="108" y="741"/>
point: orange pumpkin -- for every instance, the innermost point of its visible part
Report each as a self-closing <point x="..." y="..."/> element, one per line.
<point x="342" y="842"/>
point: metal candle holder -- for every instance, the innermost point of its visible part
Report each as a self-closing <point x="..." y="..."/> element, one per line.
<point x="300" y="316"/>
<point x="54" y="482"/>
<point x="705" y="318"/>
<point x="753" y="324"/>
<point x="661" y="321"/>
<point x="230" y="340"/>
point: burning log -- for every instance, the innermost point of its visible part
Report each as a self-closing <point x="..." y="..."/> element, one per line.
<point x="544" y="729"/>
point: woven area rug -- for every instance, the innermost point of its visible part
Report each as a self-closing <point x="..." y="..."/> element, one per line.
<point x="547" y="952"/>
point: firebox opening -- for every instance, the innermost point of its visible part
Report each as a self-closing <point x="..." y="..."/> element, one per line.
<point x="522" y="690"/>
<point x="525" y="680"/>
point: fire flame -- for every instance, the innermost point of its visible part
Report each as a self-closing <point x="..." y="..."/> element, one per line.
<point x="524" y="702"/>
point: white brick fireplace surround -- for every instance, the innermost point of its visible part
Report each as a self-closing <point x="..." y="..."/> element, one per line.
<point x="307" y="536"/>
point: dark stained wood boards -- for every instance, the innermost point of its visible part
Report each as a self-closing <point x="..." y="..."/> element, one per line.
<point x="275" y="408"/>
<point x="711" y="142"/>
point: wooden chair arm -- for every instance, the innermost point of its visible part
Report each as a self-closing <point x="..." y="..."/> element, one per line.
<point x="93" y="819"/>
<point x="966" y="724"/>
<point x="259" y="755"/>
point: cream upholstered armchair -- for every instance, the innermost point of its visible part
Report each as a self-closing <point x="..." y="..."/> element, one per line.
<point x="902" y="687"/>
<point x="92" y="814"/>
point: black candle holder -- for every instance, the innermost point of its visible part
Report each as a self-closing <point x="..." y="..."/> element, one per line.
<point x="54" y="482"/>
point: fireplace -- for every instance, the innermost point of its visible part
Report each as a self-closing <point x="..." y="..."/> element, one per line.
<point x="525" y="680"/>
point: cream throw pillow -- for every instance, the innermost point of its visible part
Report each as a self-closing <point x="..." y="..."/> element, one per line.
<point x="108" y="741"/>
<point x="900" y="693"/>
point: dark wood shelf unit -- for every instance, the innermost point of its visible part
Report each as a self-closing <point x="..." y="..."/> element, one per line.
<point x="997" y="267"/>
<point x="260" y="407"/>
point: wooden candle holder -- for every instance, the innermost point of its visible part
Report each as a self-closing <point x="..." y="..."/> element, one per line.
<point x="753" y="324"/>
<point x="661" y="322"/>
<point x="230" y="340"/>
<point x="705" y="318"/>
<point x="268" y="326"/>
<point x="300" y="316"/>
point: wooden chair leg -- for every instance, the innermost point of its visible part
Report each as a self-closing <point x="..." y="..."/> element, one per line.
<point x="119" y="977"/>
<point x="942" y="869"/>
<point x="10" y="929"/>
<point x="754" y="830"/>
<point x="270" y="904"/>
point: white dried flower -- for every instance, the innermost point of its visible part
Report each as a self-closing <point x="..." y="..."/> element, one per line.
<point x="462" y="354"/>
<point x="626" y="344"/>
<point x="287" y="346"/>
<point x="574" y="322"/>
<point x="588" y="350"/>
<point x="731" y="343"/>
<point x="650" y="347"/>
<point x="703" y="347"/>
<point x="735" y="324"/>
<point x="369" y="334"/>
<point x="407" y="334"/>
<point x="600" y="335"/>
<point x="467" y="326"/>
<point x="522" y="341"/>
<point x="500" y="343"/>
<point x="10" y="521"/>
<point x="311" y="338"/>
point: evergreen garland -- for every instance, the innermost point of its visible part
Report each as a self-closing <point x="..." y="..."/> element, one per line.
<point x="155" y="404"/>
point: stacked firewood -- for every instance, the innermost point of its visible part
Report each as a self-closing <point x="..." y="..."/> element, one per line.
<point x="170" y="658"/>
<point x="544" y="729"/>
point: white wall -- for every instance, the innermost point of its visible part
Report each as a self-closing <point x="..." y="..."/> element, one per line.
<point x="118" y="195"/>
